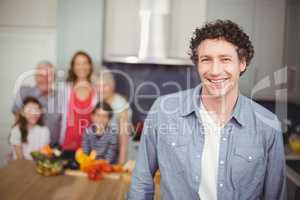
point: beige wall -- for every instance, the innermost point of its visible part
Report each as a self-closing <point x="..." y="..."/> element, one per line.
<point x="27" y="35"/>
<point x="79" y="27"/>
<point x="292" y="49"/>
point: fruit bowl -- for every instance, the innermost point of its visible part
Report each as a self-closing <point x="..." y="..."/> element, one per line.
<point x="48" y="164"/>
<point x="49" y="167"/>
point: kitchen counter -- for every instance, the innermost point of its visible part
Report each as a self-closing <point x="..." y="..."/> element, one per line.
<point x="19" y="180"/>
<point x="292" y="174"/>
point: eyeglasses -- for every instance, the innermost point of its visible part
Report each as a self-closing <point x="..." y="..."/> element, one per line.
<point x="32" y="111"/>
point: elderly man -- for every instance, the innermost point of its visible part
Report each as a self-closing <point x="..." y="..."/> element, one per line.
<point x="47" y="96"/>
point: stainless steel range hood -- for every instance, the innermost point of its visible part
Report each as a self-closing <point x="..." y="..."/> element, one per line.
<point x="154" y="36"/>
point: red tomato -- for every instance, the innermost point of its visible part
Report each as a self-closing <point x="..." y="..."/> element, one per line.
<point x="106" y="168"/>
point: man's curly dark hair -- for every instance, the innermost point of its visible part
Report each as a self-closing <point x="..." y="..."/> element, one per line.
<point x="223" y="29"/>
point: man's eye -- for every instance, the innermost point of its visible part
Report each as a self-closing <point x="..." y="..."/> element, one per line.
<point x="204" y="60"/>
<point x="226" y="59"/>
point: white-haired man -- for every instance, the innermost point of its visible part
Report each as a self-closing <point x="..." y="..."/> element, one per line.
<point x="44" y="92"/>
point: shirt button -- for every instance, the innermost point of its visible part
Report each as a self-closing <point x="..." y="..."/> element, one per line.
<point x="222" y="162"/>
<point x="221" y="184"/>
<point x="173" y="144"/>
<point x="224" y="139"/>
<point x="250" y="157"/>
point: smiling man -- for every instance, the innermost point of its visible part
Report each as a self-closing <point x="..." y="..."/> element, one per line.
<point x="211" y="142"/>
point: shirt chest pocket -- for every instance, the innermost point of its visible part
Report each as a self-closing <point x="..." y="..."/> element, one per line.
<point x="173" y="153"/>
<point x="248" y="166"/>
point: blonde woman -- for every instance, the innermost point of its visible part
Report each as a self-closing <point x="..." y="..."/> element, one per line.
<point x="121" y="119"/>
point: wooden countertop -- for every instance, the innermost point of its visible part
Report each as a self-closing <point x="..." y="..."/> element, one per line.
<point x="292" y="174"/>
<point x="19" y="180"/>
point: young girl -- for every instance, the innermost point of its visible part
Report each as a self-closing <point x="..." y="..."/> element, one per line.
<point x="29" y="134"/>
<point x="99" y="136"/>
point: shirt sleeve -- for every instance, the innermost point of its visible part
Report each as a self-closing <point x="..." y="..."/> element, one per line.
<point x="111" y="153"/>
<point x="120" y="104"/>
<point x="15" y="136"/>
<point x="18" y="98"/>
<point x="275" y="181"/>
<point x="85" y="144"/>
<point x="142" y="186"/>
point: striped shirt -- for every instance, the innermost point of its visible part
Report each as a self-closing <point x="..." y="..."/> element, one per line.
<point x="105" y="145"/>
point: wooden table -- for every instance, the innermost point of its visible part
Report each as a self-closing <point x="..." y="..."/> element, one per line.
<point x="19" y="180"/>
<point x="291" y="173"/>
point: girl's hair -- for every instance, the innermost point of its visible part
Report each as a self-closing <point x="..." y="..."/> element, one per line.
<point x="104" y="106"/>
<point x="72" y="77"/>
<point x="22" y="122"/>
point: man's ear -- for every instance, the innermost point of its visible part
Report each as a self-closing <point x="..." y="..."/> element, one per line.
<point x="243" y="65"/>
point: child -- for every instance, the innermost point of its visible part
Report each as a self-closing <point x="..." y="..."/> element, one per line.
<point x="99" y="136"/>
<point x="29" y="134"/>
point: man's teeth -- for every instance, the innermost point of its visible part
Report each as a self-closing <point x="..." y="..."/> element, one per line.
<point x="217" y="81"/>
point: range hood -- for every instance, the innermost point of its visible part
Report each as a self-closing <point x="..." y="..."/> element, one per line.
<point x="154" y="35"/>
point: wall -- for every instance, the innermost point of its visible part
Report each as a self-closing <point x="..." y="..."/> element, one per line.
<point x="27" y="35"/>
<point x="292" y="49"/>
<point x="79" y="27"/>
<point x="264" y="21"/>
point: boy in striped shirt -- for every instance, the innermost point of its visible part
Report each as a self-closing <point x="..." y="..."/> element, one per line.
<point x="99" y="135"/>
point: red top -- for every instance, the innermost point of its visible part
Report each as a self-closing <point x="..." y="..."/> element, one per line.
<point x="78" y="118"/>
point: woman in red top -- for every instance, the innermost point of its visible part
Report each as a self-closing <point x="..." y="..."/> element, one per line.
<point x="80" y="99"/>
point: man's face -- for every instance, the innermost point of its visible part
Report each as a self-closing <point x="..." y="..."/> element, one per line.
<point x="44" y="77"/>
<point x="219" y="67"/>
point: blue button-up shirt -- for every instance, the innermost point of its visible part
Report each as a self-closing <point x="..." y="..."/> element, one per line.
<point x="251" y="157"/>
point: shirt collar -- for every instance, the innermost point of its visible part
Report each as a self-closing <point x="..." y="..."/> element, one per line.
<point x="191" y="104"/>
<point x="38" y="93"/>
<point x="238" y="113"/>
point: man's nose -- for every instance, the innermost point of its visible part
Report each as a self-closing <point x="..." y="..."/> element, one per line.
<point x="216" y="68"/>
